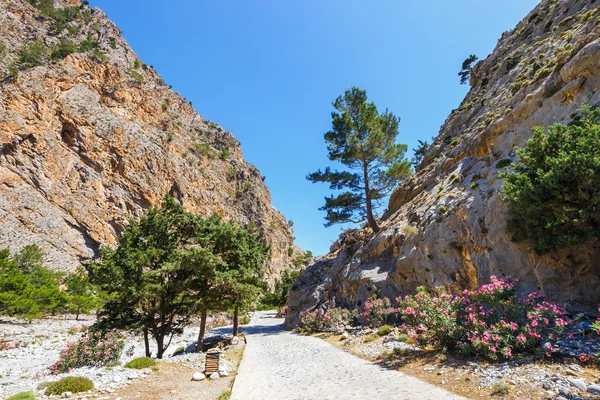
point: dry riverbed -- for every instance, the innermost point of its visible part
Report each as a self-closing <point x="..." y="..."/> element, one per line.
<point x="522" y="379"/>
<point x="38" y="346"/>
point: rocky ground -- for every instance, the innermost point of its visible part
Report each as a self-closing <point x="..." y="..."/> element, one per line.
<point x="38" y="345"/>
<point x="525" y="378"/>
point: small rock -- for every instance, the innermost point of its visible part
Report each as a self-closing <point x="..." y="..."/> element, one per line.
<point x="198" y="376"/>
<point x="214" y="375"/>
<point x="576" y="367"/>
<point x="345" y="335"/>
<point x="584" y="327"/>
<point x="578" y="383"/>
<point x="594" y="388"/>
<point x="66" y="394"/>
<point x="223" y="374"/>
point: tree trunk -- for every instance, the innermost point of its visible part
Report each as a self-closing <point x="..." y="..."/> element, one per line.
<point x="200" y="344"/>
<point x="370" y="218"/>
<point x="160" y="341"/>
<point x="146" y="342"/>
<point x="235" y="320"/>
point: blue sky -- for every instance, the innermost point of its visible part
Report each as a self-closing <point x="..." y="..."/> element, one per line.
<point x="268" y="70"/>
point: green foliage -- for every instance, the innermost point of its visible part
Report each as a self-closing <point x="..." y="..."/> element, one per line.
<point x="113" y="43"/>
<point x="500" y="388"/>
<point x="73" y="384"/>
<point x="94" y="349"/>
<point x="180" y="350"/>
<point x="419" y="152"/>
<point x="503" y="163"/>
<point x="467" y="66"/>
<point x="245" y="320"/>
<point x="555" y="186"/>
<point x="3" y="51"/>
<point x="290" y="251"/>
<point x="170" y="263"/>
<point x="302" y="259"/>
<point x="224" y="154"/>
<point x="384" y="330"/>
<point x="63" y="49"/>
<point x="141" y="363"/>
<point x="33" y="54"/>
<point x="225" y="395"/>
<point x="88" y="44"/>
<point x="27" y="289"/>
<point x="137" y="64"/>
<point x="278" y="297"/>
<point x="139" y="78"/>
<point x="22" y="396"/>
<point x="364" y="141"/>
<point x="82" y="294"/>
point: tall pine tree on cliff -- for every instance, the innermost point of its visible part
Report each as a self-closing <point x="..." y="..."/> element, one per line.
<point x="364" y="142"/>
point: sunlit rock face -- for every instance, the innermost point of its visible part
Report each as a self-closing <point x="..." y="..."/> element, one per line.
<point x="96" y="138"/>
<point x="447" y="226"/>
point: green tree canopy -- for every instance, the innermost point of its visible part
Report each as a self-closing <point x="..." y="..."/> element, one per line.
<point x="149" y="275"/>
<point x="555" y="186"/>
<point x="467" y="66"/>
<point x="27" y="288"/>
<point x="364" y="142"/>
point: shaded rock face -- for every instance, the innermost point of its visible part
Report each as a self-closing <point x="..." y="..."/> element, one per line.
<point x="96" y="138"/>
<point x="447" y="226"/>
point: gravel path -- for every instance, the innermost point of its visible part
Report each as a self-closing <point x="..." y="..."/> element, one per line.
<point x="279" y="364"/>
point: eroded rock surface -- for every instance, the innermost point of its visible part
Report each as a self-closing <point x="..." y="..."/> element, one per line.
<point x="96" y="138"/>
<point x="447" y="226"/>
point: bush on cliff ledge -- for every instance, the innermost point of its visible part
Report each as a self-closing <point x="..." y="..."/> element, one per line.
<point x="555" y="186"/>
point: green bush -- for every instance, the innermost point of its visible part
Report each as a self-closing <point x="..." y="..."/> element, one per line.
<point x="3" y="51"/>
<point x="384" y="330"/>
<point x="141" y="363"/>
<point x="244" y="320"/>
<point x="73" y="384"/>
<point x="503" y="163"/>
<point x="33" y="54"/>
<point x="63" y="49"/>
<point x="180" y="350"/>
<point x="555" y="186"/>
<point x="22" y="396"/>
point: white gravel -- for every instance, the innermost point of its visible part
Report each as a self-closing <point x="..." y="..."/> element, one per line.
<point x="279" y="364"/>
<point x="24" y="367"/>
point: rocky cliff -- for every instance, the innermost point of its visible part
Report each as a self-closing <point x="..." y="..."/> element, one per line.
<point x="447" y="226"/>
<point x="90" y="137"/>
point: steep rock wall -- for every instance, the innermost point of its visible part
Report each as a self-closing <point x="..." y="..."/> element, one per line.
<point x="447" y="225"/>
<point x="96" y="138"/>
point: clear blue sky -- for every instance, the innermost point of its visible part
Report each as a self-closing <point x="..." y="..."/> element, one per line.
<point x="268" y="70"/>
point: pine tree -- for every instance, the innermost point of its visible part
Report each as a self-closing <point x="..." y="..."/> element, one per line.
<point x="467" y="66"/>
<point x="82" y="294"/>
<point x="363" y="141"/>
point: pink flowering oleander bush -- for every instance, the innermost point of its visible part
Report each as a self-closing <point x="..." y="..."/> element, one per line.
<point x="491" y="321"/>
<point x="331" y="320"/>
<point x="593" y="359"/>
<point x="376" y="312"/>
<point x="93" y="349"/>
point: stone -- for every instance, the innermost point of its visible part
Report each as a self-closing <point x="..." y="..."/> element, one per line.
<point x="417" y="246"/>
<point x="578" y="383"/>
<point x="214" y="375"/>
<point x="223" y="374"/>
<point x="595" y="388"/>
<point x="576" y="368"/>
<point x="77" y="170"/>
<point x="198" y="376"/>
<point x="66" y="394"/>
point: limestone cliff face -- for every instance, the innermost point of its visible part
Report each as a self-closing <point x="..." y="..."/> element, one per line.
<point x="447" y="225"/>
<point x="96" y="138"/>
